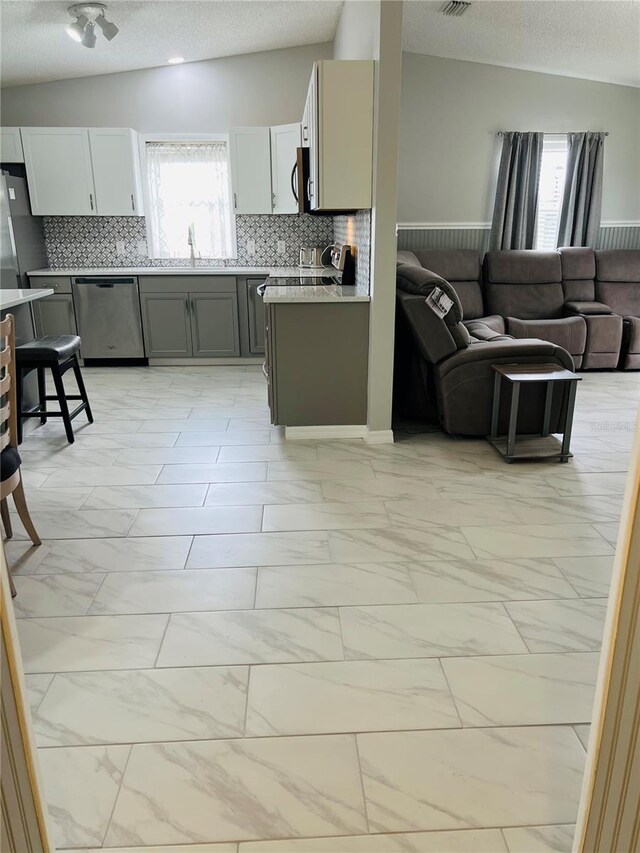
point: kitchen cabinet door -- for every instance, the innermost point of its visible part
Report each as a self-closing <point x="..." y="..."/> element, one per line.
<point x="59" y="175"/>
<point x="256" y="316"/>
<point x="251" y="169"/>
<point x="214" y="324"/>
<point x="166" y="325"/>
<point x="116" y="171"/>
<point x="11" y="145"/>
<point x="54" y="315"/>
<point x="285" y="140"/>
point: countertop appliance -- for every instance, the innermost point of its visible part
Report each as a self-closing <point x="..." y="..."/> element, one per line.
<point x="108" y="317"/>
<point x="311" y="256"/>
<point x="21" y="234"/>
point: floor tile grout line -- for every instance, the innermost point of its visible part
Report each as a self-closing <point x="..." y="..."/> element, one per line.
<point x="117" y="796"/>
<point x="327" y="734"/>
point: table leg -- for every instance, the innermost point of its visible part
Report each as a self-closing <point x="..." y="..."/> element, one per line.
<point x="547" y="409"/>
<point x="568" y="421"/>
<point x="496" y="406"/>
<point x="513" y="420"/>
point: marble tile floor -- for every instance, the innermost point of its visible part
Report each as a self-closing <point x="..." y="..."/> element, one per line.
<point x="237" y="644"/>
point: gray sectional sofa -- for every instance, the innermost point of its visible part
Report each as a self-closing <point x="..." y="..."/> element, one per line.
<point x="576" y="308"/>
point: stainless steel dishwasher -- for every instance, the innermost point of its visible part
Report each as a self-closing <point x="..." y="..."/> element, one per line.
<point x="108" y="316"/>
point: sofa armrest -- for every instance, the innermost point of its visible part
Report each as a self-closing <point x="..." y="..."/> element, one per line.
<point x="510" y="350"/>
<point x="587" y="308"/>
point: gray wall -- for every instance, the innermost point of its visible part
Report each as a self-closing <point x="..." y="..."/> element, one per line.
<point x="201" y="97"/>
<point x="357" y="33"/>
<point x="450" y="111"/>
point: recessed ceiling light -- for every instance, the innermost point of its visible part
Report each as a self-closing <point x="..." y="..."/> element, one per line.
<point x="175" y="60"/>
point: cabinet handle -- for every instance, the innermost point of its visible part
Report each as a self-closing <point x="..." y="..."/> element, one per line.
<point x="235" y="201"/>
<point x="309" y="188"/>
<point x="273" y="201"/>
<point x="133" y="206"/>
<point x="91" y="200"/>
<point x="55" y="286"/>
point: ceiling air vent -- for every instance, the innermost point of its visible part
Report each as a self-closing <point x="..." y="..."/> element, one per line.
<point x="455" y="8"/>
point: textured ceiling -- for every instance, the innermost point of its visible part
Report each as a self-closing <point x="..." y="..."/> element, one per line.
<point x="576" y="38"/>
<point x="594" y="39"/>
<point x="35" y="46"/>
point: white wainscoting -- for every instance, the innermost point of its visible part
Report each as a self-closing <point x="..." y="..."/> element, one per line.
<point x="475" y="235"/>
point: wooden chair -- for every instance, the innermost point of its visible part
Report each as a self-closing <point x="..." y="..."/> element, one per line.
<point x="10" y="476"/>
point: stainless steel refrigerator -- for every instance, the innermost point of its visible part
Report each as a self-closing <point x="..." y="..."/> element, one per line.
<point x="21" y="234"/>
<point x="21" y="249"/>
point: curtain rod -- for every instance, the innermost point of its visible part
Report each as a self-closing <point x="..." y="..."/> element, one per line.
<point x="545" y="132"/>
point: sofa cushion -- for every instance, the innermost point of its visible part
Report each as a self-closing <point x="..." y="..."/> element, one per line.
<point x="618" y="265"/>
<point x="524" y="284"/>
<point x="587" y="308"/>
<point x="578" y="273"/>
<point x="524" y="266"/>
<point x="622" y="296"/>
<point x="406" y="257"/>
<point x="461" y="267"/>
<point x="631" y="344"/>
<point x="570" y="333"/>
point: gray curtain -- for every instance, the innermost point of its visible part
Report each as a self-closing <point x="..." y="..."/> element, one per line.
<point x="582" y="199"/>
<point x="514" y="212"/>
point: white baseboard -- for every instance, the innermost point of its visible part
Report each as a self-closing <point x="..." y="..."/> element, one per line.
<point x="238" y="361"/>
<point x="379" y="436"/>
<point x="325" y="431"/>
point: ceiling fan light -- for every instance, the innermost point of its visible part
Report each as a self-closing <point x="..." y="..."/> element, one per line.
<point x="77" y="29"/>
<point x="109" y="30"/>
<point x="89" y="37"/>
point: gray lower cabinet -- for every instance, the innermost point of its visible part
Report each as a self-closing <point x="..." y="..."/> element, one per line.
<point x="316" y="362"/>
<point x="166" y="323"/>
<point x="214" y="324"/>
<point x="54" y="315"/>
<point x="200" y="322"/>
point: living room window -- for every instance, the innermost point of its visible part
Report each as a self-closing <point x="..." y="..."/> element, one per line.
<point x="550" y="190"/>
<point x="189" y="199"/>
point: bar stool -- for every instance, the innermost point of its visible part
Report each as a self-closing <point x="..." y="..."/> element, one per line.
<point x="59" y="353"/>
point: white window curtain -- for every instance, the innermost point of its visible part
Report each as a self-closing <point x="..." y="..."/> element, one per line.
<point x="190" y="200"/>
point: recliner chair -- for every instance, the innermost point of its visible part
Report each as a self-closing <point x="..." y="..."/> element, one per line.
<point x="525" y="287"/>
<point x="604" y="327"/>
<point x="451" y="369"/>
<point x="618" y="285"/>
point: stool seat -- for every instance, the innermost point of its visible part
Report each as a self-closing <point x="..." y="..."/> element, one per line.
<point x="48" y="348"/>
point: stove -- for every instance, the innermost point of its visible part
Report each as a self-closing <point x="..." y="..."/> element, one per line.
<point x="302" y="280"/>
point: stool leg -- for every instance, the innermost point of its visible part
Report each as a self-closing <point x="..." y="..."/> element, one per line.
<point x="62" y="400"/>
<point x="23" y="512"/>
<point x="19" y="403"/>
<point x="83" y="391"/>
<point x="6" y="518"/>
<point x="42" y="393"/>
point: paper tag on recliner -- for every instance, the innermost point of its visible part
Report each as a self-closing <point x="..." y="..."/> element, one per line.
<point x="439" y="302"/>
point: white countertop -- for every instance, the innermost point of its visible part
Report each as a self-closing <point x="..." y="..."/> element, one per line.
<point x="311" y="293"/>
<point x="13" y="297"/>
<point x="185" y="271"/>
<point x="316" y="293"/>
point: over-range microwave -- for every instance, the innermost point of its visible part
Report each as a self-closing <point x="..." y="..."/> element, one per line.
<point x="301" y="184"/>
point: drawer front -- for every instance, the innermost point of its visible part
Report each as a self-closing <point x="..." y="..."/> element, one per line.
<point x="187" y="284"/>
<point x="58" y="283"/>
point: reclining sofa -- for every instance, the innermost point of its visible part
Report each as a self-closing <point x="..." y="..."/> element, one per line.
<point x="443" y="368"/>
<point x="584" y="301"/>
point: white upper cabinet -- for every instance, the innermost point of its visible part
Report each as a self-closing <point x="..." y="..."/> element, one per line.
<point x="11" y="145"/>
<point x="339" y="118"/>
<point x="58" y="164"/>
<point x="285" y="140"/>
<point x="251" y="169"/>
<point x="79" y="171"/>
<point x="116" y="172"/>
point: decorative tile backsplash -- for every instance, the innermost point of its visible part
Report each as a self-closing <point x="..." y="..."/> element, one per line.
<point x="90" y="241"/>
<point x="355" y="229"/>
